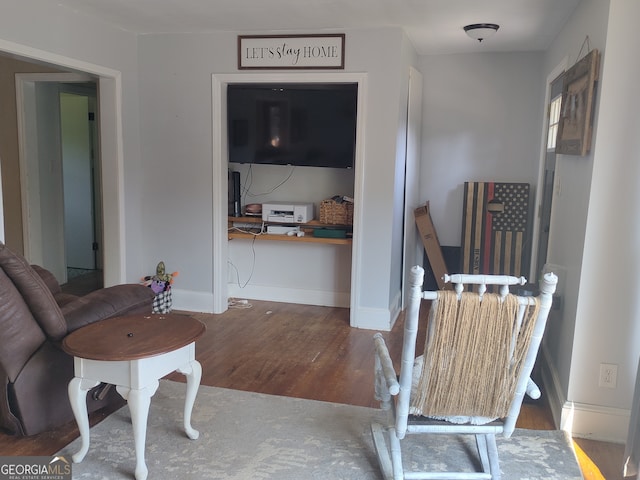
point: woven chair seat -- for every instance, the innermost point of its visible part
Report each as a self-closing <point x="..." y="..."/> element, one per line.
<point x="459" y="419"/>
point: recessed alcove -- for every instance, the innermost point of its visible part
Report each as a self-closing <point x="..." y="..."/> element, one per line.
<point x="345" y="179"/>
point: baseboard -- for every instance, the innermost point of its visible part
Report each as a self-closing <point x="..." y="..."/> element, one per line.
<point x="396" y="308"/>
<point x="595" y="422"/>
<point x="365" y="318"/>
<point x="190" y="301"/>
<point x="551" y="386"/>
<point x="290" y="295"/>
<point x="379" y="319"/>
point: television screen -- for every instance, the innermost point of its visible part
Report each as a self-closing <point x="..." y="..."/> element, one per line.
<point x="304" y="124"/>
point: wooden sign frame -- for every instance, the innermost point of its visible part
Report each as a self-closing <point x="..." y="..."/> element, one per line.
<point x="578" y="102"/>
<point x="291" y="52"/>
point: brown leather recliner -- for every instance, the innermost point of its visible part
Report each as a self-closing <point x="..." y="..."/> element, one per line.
<point x="35" y="315"/>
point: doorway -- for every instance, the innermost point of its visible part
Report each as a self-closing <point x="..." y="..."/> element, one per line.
<point x="553" y="117"/>
<point x="220" y="178"/>
<point x="112" y="168"/>
<point x="82" y="211"/>
<point x="59" y="157"/>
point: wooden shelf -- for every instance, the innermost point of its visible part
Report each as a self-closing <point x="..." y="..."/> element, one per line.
<point x="307" y="228"/>
<point x="245" y="219"/>
<point x="287" y="238"/>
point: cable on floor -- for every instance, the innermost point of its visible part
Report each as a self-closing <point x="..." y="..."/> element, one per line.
<point x="238" y="303"/>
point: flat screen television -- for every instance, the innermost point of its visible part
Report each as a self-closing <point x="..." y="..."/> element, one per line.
<point x="307" y="124"/>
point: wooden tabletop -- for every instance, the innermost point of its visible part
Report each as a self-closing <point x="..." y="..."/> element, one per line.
<point x="133" y="337"/>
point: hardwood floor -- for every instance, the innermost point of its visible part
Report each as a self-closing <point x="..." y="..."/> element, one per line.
<point x="83" y="283"/>
<point x="299" y="351"/>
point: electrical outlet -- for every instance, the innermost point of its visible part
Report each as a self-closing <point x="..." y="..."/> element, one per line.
<point x="608" y="375"/>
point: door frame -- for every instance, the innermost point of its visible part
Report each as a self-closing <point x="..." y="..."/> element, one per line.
<point x="219" y="84"/>
<point x="30" y="177"/>
<point x="111" y="151"/>
<point x="536" y="231"/>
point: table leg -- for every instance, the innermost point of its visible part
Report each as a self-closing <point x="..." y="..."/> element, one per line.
<point x="139" y="402"/>
<point x="193" y="372"/>
<point x="77" y="389"/>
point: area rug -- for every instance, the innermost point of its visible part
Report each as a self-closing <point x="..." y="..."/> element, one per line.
<point x="249" y="436"/>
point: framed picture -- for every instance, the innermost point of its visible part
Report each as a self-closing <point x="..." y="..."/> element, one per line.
<point x="290" y="52"/>
<point x="576" y="112"/>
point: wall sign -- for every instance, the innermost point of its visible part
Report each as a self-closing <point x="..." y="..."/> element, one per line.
<point x="324" y="51"/>
<point x="578" y="101"/>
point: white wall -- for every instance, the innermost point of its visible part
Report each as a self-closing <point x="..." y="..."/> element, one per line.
<point x="570" y="200"/>
<point x="168" y="195"/>
<point x="598" y="322"/>
<point x="396" y="270"/>
<point x="608" y="310"/>
<point x="609" y="318"/>
<point x="176" y="106"/>
<point x="481" y="122"/>
<point x="45" y="173"/>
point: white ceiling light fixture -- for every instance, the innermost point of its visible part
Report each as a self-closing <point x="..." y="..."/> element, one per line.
<point x="480" y="31"/>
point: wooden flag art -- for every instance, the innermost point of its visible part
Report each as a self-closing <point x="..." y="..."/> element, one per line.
<point x="495" y="228"/>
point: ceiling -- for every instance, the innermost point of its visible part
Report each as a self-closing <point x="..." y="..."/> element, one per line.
<point x="434" y="26"/>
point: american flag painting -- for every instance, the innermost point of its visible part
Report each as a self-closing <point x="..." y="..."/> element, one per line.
<point x="495" y="228"/>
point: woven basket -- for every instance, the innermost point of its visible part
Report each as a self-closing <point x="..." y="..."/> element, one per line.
<point x="334" y="213"/>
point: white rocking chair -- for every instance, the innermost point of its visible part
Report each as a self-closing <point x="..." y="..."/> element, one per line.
<point x="479" y="353"/>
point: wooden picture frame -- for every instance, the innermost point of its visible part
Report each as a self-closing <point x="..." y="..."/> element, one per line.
<point x="291" y="52"/>
<point x="576" y="112"/>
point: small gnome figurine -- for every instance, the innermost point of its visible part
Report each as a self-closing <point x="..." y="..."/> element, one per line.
<point x="161" y="281"/>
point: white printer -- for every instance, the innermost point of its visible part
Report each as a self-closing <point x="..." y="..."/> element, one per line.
<point x="292" y="212"/>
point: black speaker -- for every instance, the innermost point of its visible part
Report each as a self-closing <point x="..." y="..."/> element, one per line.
<point x="234" y="194"/>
